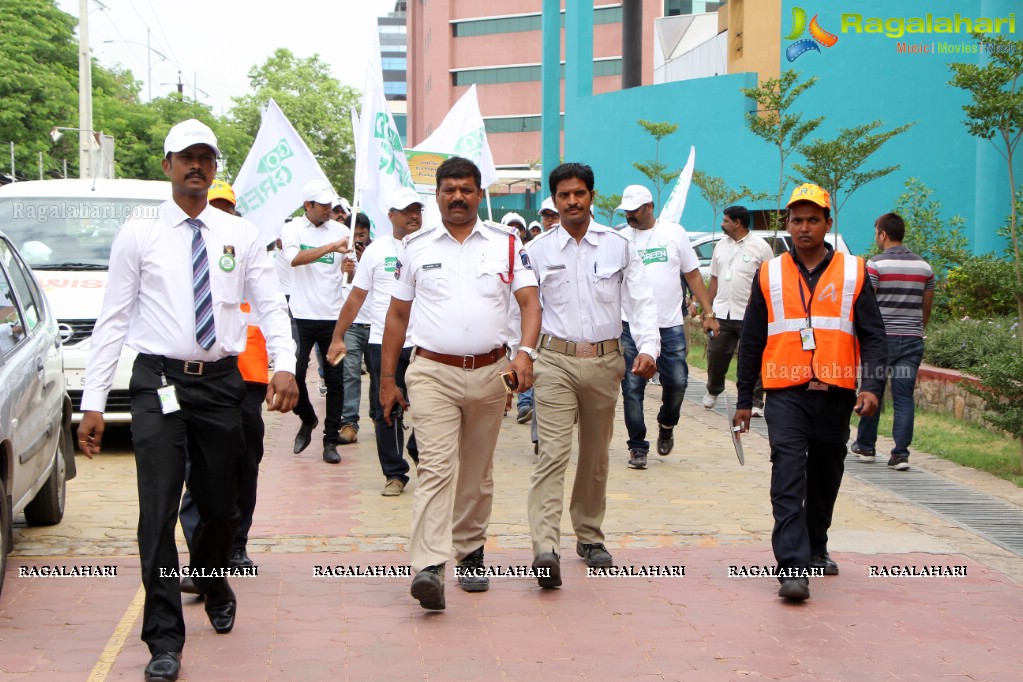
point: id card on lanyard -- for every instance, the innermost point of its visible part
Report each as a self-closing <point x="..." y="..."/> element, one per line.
<point x="806" y="333"/>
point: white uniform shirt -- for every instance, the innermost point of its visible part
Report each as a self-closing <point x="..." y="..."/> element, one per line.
<point x="283" y="268"/>
<point x="365" y="312"/>
<point x="734" y="263"/>
<point x="375" y="276"/>
<point x="667" y="255"/>
<point x="150" y="306"/>
<point x="461" y="305"/>
<point x="585" y="285"/>
<point x="317" y="289"/>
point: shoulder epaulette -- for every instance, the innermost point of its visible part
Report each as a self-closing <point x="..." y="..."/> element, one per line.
<point x="409" y="238"/>
<point x="503" y="229"/>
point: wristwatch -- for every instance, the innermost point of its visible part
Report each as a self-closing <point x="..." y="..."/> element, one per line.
<point x="530" y="352"/>
<point x="712" y="315"/>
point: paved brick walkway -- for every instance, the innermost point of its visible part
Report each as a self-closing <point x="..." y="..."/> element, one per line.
<point x="695" y="508"/>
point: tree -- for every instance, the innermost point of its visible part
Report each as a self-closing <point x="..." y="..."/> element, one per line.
<point x="995" y="113"/>
<point x="38" y="77"/>
<point x="656" y="171"/>
<point x="720" y="196"/>
<point x="605" y="206"/>
<point x="315" y="102"/>
<point x="773" y="122"/>
<point x="834" y="164"/>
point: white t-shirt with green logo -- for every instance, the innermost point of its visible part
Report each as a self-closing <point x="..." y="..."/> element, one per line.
<point x="666" y="254"/>
<point x="375" y="275"/>
<point x="318" y="288"/>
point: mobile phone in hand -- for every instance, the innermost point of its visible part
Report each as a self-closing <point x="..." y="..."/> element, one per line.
<point x="511" y="381"/>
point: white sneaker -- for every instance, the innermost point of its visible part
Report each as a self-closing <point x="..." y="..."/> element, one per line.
<point x="323" y="386"/>
<point x="709" y="401"/>
<point x="757" y="411"/>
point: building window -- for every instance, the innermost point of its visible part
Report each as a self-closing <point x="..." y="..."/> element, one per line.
<point x="394" y="63"/>
<point x="530" y="22"/>
<point x="395" y="89"/>
<point x="521" y="74"/>
<point x="673" y="8"/>
<point x="516" y="124"/>
<point x="604" y="15"/>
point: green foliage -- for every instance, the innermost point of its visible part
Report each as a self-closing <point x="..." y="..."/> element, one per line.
<point x="982" y="287"/>
<point x="720" y="196"/>
<point x="773" y="122"/>
<point x="656" y="171"/>
<point x="605" y="206"/>
<point x="966" y="344"/>
<point x="315" y="102"/>
<point x="941" y="244"/>
<point x="1001" y="387"/>
<point x="835" y="164"/>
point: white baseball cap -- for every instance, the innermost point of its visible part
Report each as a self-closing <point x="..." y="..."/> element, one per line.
<point x="513" y="217"/>
<point x="319" y="191"/>
<point x="633" y="197"/>
<point x="548" y="205"/>
<point x="185" y="134"/>
<point x="403" y="197"/>
<point x="535" y="224"/>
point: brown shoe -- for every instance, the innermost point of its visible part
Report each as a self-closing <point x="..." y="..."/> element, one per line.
<point x="393" y="488"/>
<point x="348" y="435"/>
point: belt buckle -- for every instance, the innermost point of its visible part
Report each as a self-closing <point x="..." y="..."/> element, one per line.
<point x="585" y="350"/>
<point x="193" y="367"/>
<point x="471" y="358"/>
<point x="817" y="386"/>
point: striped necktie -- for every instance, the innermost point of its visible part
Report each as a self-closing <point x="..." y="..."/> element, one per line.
<point x="205" y="333"/>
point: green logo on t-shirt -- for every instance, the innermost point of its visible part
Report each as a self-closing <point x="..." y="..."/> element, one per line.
<point x="658" y="255"/>
<point x="389" y="263"/>
<point x="328" y="258"/>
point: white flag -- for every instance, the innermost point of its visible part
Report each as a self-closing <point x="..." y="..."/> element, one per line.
<point x="269" y="184"/>
<point x="462" y="133"/>
<point x="671" y="212"/>
<point x="383" y="167"/>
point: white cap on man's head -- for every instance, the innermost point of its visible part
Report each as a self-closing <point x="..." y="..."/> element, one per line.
<point x="403" y="197"/>
<point x="633" y="197"/>
<point x="185" y="134"/>
<point x="511" y="217"/>
<point x="548" y="205"/>
<point x="319" y="191"/>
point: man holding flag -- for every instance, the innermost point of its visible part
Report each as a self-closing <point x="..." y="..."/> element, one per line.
<point x="667" y="258"/>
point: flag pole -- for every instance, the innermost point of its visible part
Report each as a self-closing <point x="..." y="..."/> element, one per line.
<point x="490" y="212"/>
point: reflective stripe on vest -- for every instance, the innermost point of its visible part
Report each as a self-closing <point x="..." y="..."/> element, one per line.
<point x="253" y="362"/>
<point x="836" y="360"/>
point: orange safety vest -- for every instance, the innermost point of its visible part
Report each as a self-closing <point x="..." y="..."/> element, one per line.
<point x="836" y="360"/>
<point x="254" y="362"/>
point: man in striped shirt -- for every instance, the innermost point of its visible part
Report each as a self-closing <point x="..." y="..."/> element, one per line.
<point x="904" y="285"/>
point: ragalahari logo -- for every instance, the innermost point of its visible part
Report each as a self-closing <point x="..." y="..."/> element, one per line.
<point x="804" y="45"/>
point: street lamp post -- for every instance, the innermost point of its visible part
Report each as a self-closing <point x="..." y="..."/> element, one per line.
<point x="149" y="58"/>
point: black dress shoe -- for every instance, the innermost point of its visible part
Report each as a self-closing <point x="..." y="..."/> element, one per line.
<point x="548" y="569"/>
<point x="188" y="586"/>
<point x="239" y="559"/>
<point x="471" y="572"/>
<point x="825" y="562"/>
<point x="794" y="589"/>
<point x="595" y="554"/>
<point x="163" y="667"/>
<point x="665" y="439"/>
<point x="305" y="435"/>
<point x="330" y="455"/>
<point x="221" y="609"/>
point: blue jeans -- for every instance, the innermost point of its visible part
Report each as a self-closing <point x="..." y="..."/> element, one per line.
<point x="904" y="356"/>
<point x="525" y="399"/>
<point x="671" y="364"/>
<point x="356" y="340"/>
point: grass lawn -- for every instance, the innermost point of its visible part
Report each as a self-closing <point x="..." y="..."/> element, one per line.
<point x="937" y="434"/>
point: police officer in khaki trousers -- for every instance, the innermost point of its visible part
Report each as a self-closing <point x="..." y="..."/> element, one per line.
<point x="457" y="279"/>
<point x="588" y="273"/>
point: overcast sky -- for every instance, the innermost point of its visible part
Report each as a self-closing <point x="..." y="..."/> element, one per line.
<point x="216" y="42"/>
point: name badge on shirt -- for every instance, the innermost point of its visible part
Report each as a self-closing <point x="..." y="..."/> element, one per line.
<point x="556" y="267"/>
<point x="168" y="399"/>
<point x="806" y="337"/>
<point x="227" y="261"/>
<point x="432" y="266"/>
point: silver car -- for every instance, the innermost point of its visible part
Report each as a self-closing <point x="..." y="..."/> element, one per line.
<point x="36" y="448"/>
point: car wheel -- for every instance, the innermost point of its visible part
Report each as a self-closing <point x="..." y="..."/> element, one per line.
<point x="47" y="508"/>
<point x="5" y="533"/>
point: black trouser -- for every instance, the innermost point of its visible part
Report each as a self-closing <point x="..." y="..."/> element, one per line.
<point x="319" y="333"/>
<point x="390" y="439"/>
<point x="808" y="432"/>
<point x="248" y="474"/>
<point x="209" y="428"/>
<point x="720" y="350"/>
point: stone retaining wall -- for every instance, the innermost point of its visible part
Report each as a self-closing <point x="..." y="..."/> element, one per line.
<point x="943" y="390"/>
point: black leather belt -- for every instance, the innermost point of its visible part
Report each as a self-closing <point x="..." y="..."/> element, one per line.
<point x="190" y="367"/>
<point x="360" y="324"/>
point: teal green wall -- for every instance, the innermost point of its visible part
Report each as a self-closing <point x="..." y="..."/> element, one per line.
<point x="861" y="78"/>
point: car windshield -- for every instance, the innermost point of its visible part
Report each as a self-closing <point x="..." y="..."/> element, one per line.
<point x="54" y="233"/>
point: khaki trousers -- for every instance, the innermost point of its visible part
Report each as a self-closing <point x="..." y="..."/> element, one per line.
<point x="457" y="415"/>
<point x="564" y="386"/>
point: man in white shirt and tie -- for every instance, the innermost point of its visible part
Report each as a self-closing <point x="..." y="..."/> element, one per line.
<point x="177" y="281"/>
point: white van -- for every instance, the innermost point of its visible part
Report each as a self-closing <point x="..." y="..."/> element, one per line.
<point x="64" y="230"/>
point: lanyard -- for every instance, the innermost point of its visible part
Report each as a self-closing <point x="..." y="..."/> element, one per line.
<point x="802" y="298"/>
